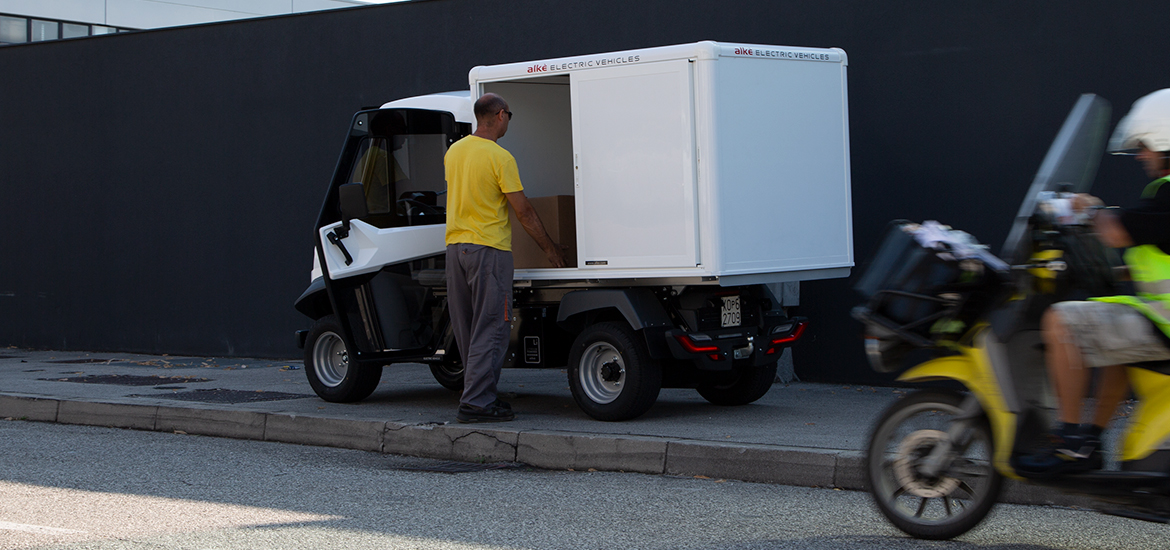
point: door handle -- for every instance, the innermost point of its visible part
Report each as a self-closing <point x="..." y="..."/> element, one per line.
<point x="333" y="238"/>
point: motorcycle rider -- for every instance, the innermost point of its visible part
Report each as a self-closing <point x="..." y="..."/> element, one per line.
<point x="1111" y="332"/>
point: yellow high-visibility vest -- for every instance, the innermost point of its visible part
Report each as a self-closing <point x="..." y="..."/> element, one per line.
<point x="1149" y="267"/>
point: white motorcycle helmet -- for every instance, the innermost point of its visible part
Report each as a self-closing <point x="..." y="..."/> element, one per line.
<point x="1147" y="123"/>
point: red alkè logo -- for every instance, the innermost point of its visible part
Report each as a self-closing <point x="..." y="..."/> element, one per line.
<point x="738" y="51"/>
<point x="538" y="69"/>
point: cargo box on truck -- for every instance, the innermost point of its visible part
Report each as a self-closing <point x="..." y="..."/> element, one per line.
<point x="687" y="181"/>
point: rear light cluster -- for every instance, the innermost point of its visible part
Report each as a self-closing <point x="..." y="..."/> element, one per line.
<point x="690" y="344"/>
<point x="786" y="334"/>
<point x="782" y="334"/>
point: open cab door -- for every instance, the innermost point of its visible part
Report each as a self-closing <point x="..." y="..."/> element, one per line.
<point x="380" y="235"/>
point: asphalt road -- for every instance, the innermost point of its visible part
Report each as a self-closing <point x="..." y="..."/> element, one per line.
<point x="65" y="486"/>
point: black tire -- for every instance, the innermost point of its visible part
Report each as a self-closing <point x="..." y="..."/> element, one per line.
<point x="940" y="507"/>
<point x="328" y="367"/>
<point x="739" y="387"/>
<point x="449" y="372"/>
<point x="611" y="373"/>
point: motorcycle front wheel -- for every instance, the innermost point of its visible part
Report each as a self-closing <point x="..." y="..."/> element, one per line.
<point x="940" y="506"/>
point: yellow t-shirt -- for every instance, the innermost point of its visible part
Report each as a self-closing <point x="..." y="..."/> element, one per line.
<point x="479" y="172"/>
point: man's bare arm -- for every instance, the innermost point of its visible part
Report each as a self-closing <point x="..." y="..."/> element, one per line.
<point x="532" y="225"/>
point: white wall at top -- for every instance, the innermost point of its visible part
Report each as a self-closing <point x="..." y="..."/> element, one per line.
<point x="314" y="5"/>
<point x="149" y="14"/>
<point x="82" y="11"/>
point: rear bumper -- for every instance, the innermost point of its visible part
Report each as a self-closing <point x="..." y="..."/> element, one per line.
<point x="724" y="349"/>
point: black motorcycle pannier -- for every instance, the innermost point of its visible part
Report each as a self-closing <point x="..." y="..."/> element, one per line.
<point x="914" y="274"/>
<point x="910" y="288"/>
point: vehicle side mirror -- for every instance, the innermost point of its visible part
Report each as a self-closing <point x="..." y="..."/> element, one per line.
<point x="352" y="197"/>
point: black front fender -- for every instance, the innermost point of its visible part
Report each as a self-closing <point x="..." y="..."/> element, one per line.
<point x="314" y="301"/>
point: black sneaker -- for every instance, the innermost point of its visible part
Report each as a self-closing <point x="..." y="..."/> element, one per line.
<point x="492" y="413"/>
<point x="1068" y="454"/>
<point x="501" y="404"/>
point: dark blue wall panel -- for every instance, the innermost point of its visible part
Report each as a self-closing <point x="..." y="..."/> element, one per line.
<point x="159" y="187"/>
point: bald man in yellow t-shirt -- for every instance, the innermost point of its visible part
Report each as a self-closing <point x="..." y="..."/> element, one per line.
<point x="482" y="181"/>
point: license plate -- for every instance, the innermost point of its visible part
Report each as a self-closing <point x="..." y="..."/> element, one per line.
<point x="731" y="317"/>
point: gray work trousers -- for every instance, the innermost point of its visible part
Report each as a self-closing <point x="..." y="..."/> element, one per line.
<point x="479" y="301"/>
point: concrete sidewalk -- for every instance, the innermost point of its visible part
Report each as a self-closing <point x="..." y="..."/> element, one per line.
<point x="799" y="434"/>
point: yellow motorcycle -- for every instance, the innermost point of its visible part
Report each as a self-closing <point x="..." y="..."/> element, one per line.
<point x="943" y="310"/>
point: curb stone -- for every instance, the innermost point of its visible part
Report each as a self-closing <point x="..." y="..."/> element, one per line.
<point x="362" y="435"/>
<point x="212" y="422"/>
<point x="450" y="442"/>
<point x="761" y="463"/>
<point x="114" y="415"/>
<point x="29" y="408"/>
<point x="557" y="450"/>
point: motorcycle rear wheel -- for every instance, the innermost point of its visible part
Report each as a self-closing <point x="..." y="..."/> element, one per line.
<point x="939" y="507"/>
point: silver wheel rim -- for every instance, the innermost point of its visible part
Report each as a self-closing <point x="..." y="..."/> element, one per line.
<point x="602" y="373"/>
<point x="330" y="359"/>
<point x="906" y="438"/>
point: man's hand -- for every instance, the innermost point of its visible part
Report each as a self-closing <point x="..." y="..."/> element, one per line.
<point x="1109" y="229"/>
<point x="556" y="255"/>
<point x="1082" y="201"/>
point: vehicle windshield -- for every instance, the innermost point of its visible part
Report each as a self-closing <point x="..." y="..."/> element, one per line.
<point x="400" y="166"/>
<point x="1071" y="164"/>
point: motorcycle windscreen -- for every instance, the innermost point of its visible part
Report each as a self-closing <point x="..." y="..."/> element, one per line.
<point x="1071" y="161"/>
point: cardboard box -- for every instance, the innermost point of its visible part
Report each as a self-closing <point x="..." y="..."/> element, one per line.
<point x="558" y="215"/>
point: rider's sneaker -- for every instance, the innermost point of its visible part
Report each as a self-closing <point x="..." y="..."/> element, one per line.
<point x="1068" y="454"/>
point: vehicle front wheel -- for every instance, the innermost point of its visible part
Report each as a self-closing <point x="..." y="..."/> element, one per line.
<point x="611" y="373"/>
<point x="328" y="367"/>
<point x="944" y="504"/>
<point x="739" y="387"/>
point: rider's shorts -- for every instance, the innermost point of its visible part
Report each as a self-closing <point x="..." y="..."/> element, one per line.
<point x="1112" y="334"/>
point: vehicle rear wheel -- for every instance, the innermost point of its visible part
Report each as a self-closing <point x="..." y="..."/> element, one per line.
<point x="739" y="387"/>
<point x="940" y="506"/>
<point x="449" y="372"/>
<point x="611" y="373"/>
<point x="328" y="367"/>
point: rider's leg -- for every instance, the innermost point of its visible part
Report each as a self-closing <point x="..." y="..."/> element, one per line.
<point x="1114" y="388"/>
<point x="1071" y="449"/>
<point x="1071" y="379"/>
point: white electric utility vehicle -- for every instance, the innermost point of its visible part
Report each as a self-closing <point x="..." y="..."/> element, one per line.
<point x="692" y="183"/>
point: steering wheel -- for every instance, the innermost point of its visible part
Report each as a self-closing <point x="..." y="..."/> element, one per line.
<point x="412" y="207"/>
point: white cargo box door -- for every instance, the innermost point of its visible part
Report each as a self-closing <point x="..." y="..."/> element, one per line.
<point x="634" y="150"/>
